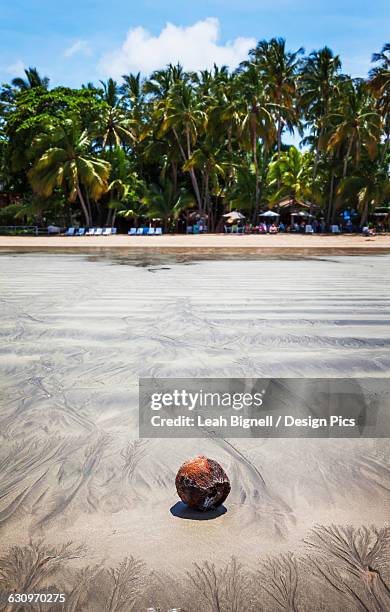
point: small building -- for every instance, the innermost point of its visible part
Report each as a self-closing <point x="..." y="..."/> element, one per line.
<point x="293" y="211"/>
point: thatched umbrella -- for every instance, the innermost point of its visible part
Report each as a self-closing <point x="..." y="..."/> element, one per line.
<point x="234" y="216"/>
<point x="293" y="203"/>
<point x="198" y="214"/>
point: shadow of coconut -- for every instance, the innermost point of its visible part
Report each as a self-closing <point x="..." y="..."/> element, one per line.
<point x="181" y="510"/>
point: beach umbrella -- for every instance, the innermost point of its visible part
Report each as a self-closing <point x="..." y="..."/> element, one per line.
<point x="234" y="216"/>
<point x="198" y="214"/>
<point x="269" y="213"/>
<point x="301" y="213"/>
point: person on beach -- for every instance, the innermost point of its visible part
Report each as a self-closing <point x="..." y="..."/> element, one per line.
<point x="368" y="231"/>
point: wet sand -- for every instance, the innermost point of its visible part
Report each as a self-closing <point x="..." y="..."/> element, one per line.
<point x="77" y="332"/>
<point x="282" y="244"/>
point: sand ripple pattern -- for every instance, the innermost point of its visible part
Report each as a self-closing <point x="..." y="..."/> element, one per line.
<point x="77" y="332"/>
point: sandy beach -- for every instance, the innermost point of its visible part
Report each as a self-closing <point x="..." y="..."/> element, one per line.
<point x="346" y="244"/>
<point x="77" y="332"/>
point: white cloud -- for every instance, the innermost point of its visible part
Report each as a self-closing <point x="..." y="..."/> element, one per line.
<point x="195" y="47"/>
<point x="80" y="46"/>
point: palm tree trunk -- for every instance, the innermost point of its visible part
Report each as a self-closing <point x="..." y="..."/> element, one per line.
<point x="330" y="202"/>
<point x="347" y="158"/>
<point x="111" y="214"/>
<point x="279" y="143"/>
<point x="191" y="172"/>
<point x="364" y="216"/>
<point x="257" y="178"/>
<point x="230" y="151"/>
<point x="88" y="205"/>
<point x="174" y="176"/>
<point x="83" y="206"/>
<point x="279" y="136"/>
<point x="317" y="155"/>
<point x="208" y="201"/>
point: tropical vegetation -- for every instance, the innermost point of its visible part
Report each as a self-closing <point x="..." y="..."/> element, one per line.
<point x="175" y="143"/>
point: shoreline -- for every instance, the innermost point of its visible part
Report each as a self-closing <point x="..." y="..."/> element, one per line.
<point x="206" y="244"/>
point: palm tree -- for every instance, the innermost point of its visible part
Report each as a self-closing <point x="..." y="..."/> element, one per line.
<point x="181" y="113"/>
<point x="257" y="122"/>
<point x="65" y="161"/>
<point x="119" y="187"/>
<point x="242" y="193"/>
<point x="355" y="124"/>
<point x="226" y="110"/>
<point x="160" y="82"/>
<point x="368" y="189"/>
<point x="318" y="87"/>
<point x="164" y="203"/>
<point x="132" y="91"/>
<point x="88" y="86"/>
<point x="113" y="126"/>
<point x="125" y="190"/>
<point x="208" y="159"/>
<point x="290" y="174"/>
<point x="33" y="79"/>
<point x="278" y="70"/>
<point x="380" y="75"/>
<point x="215" y="133"/>
<point x="380" y="84"/>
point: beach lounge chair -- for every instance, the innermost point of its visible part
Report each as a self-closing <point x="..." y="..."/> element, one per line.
<point x="140" y="231"/>
<point x="132" y="231"/>
<point x="107" y="231"/>
<point x="189" y="229"/>
<point x="113" y="230"/>
<point x="70" y="231"/>
<point x="81" y="231"/>
<point x="335" y="229"/>
<point x="309" y="229"/>
<point x="91" y="231"/>
<point x="151" y="231"/>
<point x="145" y="231"/>
<point x="98" y="231"/>
<point x="158" y="231"/>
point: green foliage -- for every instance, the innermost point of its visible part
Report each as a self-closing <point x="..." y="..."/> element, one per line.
<point x="33" y="79"/>
<point x="63" y="160"/>
<point x="164" y="202"/>
<point x="289" y="175"/>
<point x="209" y="141"/>
<point x="366" y="190"/>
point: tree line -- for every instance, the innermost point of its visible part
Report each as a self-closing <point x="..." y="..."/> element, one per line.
<point x="208" y="141"/>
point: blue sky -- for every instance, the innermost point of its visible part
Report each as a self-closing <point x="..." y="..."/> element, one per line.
<point x="86" y="40"/>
